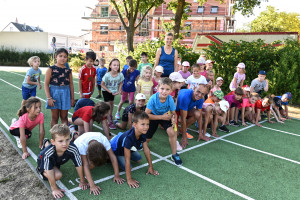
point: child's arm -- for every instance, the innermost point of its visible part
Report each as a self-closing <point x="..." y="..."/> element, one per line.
<point x="91" y="125"/>
<point x="115" y="165"/>
<point x="257" y="118"/>
<point x="71" y="85"/>
<point x="267" y="86"/>
<point x="119" y="89"/>
<point x="269" y="117"/>
<point x="47" y="89"/>
<point x="131" y="182"/>
<point x="243" y="116"/>
<point x="242" y="83"/>
<point x="104" y="87"/>
<point x="82" y="184"/>
<point x="148" y="157"/>
<point x="138" y="88"/>
<point x="129" y="120"/>
<point x="94" y="84"/>
<point x="56" y="192"/>
<point x="286" y="111"/>
<point x="165" y="116"/>
<point x="80" y="88"/>
<point x="23" y="142"/>
<point x="39" y="81"/>
<point x="235" y="82"/>
<point x="86" y="167"/>
<point x="42" y="134"/>
<point x="31" y="82"/>
<point x="106" y="129"/>
<point x="275" y="114"/>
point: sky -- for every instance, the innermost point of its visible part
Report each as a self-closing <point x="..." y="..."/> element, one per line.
<point x="64" y="16"/>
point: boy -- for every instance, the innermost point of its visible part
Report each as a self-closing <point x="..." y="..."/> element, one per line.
<point x="32" y="79"/>
<point x="53" y="155"/>
<point x="87" y="76"/>
<point x="283" y="100"/>
<point x="94" y="148"/>
<point x="158" y="108"/>
<point x="125" y="146"/>
<point x="219" y="116"/>
<point x="128" y="59"/>
<point x="260" y="84"/>
<point x="101" y="71"/>
<point x="144" y="58"/>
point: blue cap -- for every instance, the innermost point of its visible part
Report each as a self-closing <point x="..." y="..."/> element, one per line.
<point x="288" y="95"/>
<point x="262" y="72"/>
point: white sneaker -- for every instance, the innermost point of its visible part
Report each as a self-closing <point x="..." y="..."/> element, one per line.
<point x="13" y="121"/>
<point x="117" y="116"/>
<point x="18" y="142"/>
<point x="179" y="147"/>
<point x="133" y="148"/>
<point x="207" y="135"/>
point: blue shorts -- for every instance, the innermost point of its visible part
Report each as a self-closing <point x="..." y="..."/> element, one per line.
<point x="26" y="92"/>
<point x="62" y="97"/>
<point x="135" y="156"/>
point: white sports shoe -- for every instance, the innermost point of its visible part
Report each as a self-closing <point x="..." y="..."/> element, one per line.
<point x="13" y="121"/>
<point x="18" y="142"/>
<point x="207" y="135"/>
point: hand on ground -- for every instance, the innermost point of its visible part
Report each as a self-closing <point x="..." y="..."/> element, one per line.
<point x="58" y="193"/>
<point x="152" y="171"/>
<point x="25" y="155"/>
<point x="95" y="190"/>
<point x="133" y="183"/>
<point x="119" y="180"/>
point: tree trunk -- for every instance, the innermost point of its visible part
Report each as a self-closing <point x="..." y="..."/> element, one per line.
<point x="130" y="34"/>
<point x="178" y="17"/>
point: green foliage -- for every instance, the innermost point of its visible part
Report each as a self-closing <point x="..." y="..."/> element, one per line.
<point x="12" y="57"/>
<point x="277" y="21"/>
<point x="76" y="61"/>
<point x="280" y="63"/>
<point x="245" y="6"/>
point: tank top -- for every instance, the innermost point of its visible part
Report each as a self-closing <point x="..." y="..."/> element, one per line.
<point x="167" y="61"/>
<point x="60" y="76"/>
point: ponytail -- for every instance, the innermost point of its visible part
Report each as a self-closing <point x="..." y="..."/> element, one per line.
<point x="22" y="111"/>
<point x="29" y="103"/>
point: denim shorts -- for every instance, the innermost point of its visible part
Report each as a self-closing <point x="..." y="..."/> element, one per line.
<point x="62" y="97"/>
<point x="135" y="156"/>
<point x="26" y="92"/>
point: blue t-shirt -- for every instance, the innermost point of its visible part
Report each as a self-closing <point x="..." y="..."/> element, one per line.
<point x="82" y="103"/>
<point x="185" y="100"/>
<point x="127" y="140"/>
<point x="167" y="61"/>
<point x="159" y="108"/>
<point x="128" y="83"/>
<point x="283" y="103"/>
<point x="34" y="77"/>
<point x="100" y="73"/>
<point x="125" y="67"/>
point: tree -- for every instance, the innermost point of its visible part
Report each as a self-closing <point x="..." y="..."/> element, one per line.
<point x="271" y="20"/>
<point x="128" y="12"/>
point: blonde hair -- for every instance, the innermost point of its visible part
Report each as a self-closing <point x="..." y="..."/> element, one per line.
<point x="146" y="67"/>
<point x="59" y="130"/>
<point x="243" y="70"/>
<point x="31" y="59"/>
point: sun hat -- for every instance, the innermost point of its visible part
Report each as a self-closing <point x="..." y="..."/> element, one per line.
<point x="219" y="94"/>
<point x="262" y="72"/>
<point x="201" y="61"/>
<point x="159" y="68"/>
<point x="219" y="79"/>
<point x="224" y="105"/>
<point x="176" y="76"/>
<point x="186" y="63"/>
<point x="241" y="65"/>
<point x="140" y="96"/>
<point x="209" y="61"/>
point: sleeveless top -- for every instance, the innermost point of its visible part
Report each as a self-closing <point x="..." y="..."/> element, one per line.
<point x="60" y="76"/>
<point x="167" y="61"/>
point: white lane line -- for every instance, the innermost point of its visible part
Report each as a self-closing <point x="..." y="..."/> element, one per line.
<point x="34" y="156"/>
<point x="280" y="131"/>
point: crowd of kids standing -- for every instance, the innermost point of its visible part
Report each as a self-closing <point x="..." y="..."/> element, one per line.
<point x="170" y="94"/>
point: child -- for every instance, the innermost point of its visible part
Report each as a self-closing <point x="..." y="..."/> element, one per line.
<point x="128" y="112"/>
<point x="85" y="116"/>
<point x="219" y="83"/>
<point x="158" y="71"/>
<point x="81" y="103"/>
<point x="201" y="63"/>
<point x="30" y="116"/>
<point x="101" y="71"/>
<point x="185" y="70"/>
<point x="145" y="83"/>
<point x="59" y="88"/>
<point x="96" y="63"/>
<point x="219" y="113"/>
<point x="179" y="65"/>
<point x="32" y="79"/>
<point x="248" y="108"/>
<point x="87" y="76"/>
<point x="131" y="75"/>
<point x="144" y="58"/>
<point x="260" y="84"/>
<point x="94" y="148"/>
<point x="135" y="137"/>
<point x="111" y="86"/>
<point x="178" y="82"/>
<point x="283" y="100"/>
<point x="210" y="78"/>
<point x="56" y="154"/>
<point x="128" y="59"/>
<point x="195" y="78"/>
<point x="239" y="77"/>
<point x="260" y="106"/>
<point x="234" y="103"/>
<point x="158" y="109"/>
<point x="209" y="65"/>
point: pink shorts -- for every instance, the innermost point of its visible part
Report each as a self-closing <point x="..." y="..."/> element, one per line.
<point x="125" y="95"/>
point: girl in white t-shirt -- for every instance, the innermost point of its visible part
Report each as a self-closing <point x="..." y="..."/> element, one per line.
<point x="239" y="77"/>
<point x="195" y="79"/>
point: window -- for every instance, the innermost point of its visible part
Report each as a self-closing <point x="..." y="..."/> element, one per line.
<point x="104" y="30"/>
<point x="103" y="48"/>
<point x="188" y="27"/>
<point x="104" y="11"/>
<point x="11" y="29"/>
<point x="144" y="27"/>
<point x="214" y="9"/>
<point x="200" y="9"/>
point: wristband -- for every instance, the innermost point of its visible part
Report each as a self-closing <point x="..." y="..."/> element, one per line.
<point x="49" y="98"/>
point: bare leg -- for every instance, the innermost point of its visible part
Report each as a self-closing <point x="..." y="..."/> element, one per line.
<point x="54" y="117"/>
<point x="64" y="116"/>
<point x="172" y="139"/>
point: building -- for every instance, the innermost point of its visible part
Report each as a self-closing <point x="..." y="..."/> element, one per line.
<point x="16" y="27"/>
<point x="107" y="29"/>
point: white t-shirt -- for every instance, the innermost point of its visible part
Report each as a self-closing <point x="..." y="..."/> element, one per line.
<point x="82" y="141"/>
<point x="193" y="82"/>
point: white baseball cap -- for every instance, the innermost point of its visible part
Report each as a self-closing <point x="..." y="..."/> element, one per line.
<point x="159" y="68"/>
<point x="186" y="63"/>
<point x="201" y="61"/>
<point x="224" y="105"/>
<point x="219" y="78"/>
<point x="241" y="65"/>
<point x="176" y="76"/>
<point x="140" y="96"/>
<point x="209" y="61"/>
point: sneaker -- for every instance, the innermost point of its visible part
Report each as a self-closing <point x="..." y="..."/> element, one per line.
<point x="44" y="143"/>
<point x="196" y="124"/>
<point x="18" y="142"/>
<point x="98" y="97"/>
<point x="233" y="123"/>
<point x="117" y="116"/>
<point x="176" y="159"/>
<point x="207" y="135"/>
<point x="112" y="126"/>
<point x="224" y="129"/>
<point x="133" y="148"/>
<point x="115" y="122"/>
<point x="73" y="134"/>
<point x="179" y="147"/>
<point x="189" y="136"/>
<point x="13" y="121"/>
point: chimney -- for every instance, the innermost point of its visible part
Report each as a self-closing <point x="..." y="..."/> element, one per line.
<point x="17" y="20"/>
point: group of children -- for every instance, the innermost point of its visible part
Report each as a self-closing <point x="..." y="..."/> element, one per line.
<point x="154" y="105"/>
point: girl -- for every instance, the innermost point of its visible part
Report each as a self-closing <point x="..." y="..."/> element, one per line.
<point x="219" y="83"/>
<point x="178" y="82"/>
<point x="195" y="78"/>
<point x="248" y="108"/>
<point x="111" y="84"/>
<point x="158" y="71"/>
<point x="210" y="78"/>
<point x="262" y="105"/>
<point x="30" y="116"/>
<point x="59" y="88"/>
<point x="234" y="103"/>
<point x="131" y="75"/>
<point x="185" y="70"/>
<point x="239" y="77"/>
<point x="145" y="82"/>
<point x="203" y="71"/>
<point x="209" y="65"/>
<point x="85" y="116"/>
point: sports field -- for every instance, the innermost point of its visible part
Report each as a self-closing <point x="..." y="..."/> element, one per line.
<point x="248" y="163"/>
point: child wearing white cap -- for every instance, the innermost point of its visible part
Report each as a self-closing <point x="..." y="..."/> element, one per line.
<point x="239" y="77"/>
<point x="158" y="71"/>
<point x="178" y="82"/>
